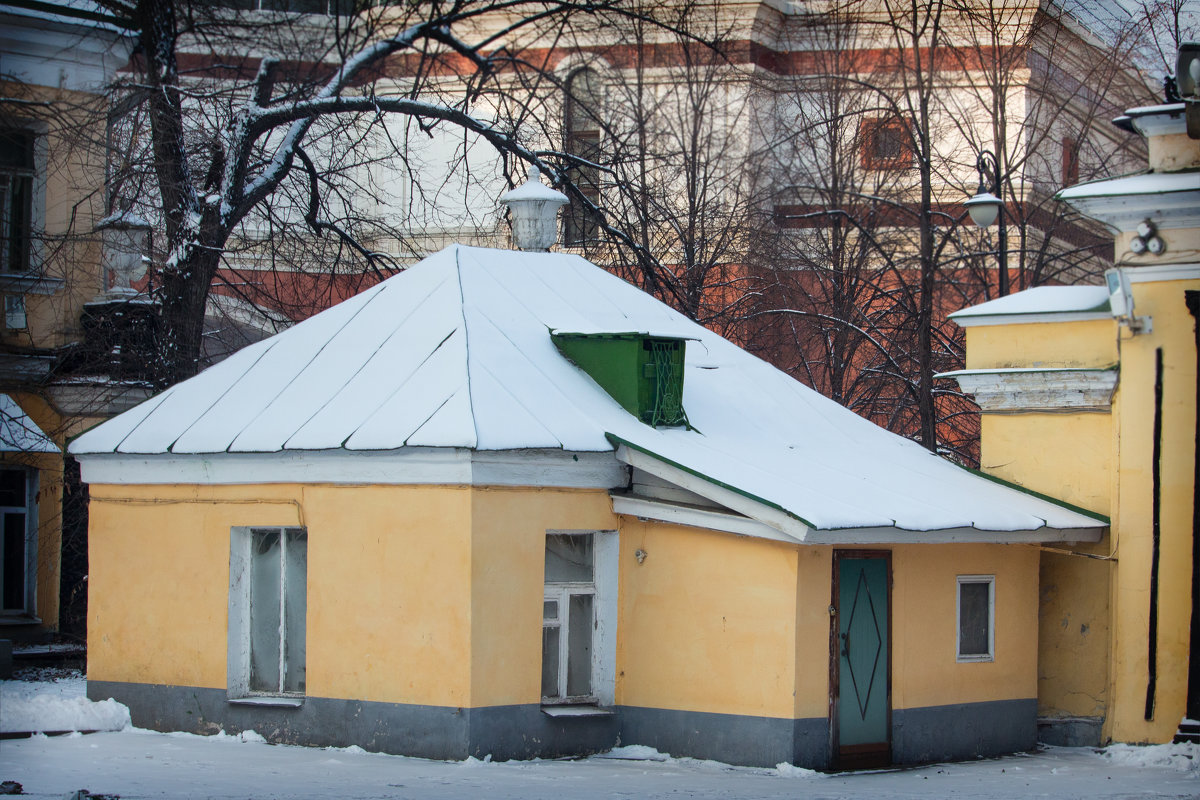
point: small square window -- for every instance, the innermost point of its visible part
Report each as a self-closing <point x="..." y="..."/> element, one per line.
<point x="976" y="617"/>
<point x="885" y="144"/>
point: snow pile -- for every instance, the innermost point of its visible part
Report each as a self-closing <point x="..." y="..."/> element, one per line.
<point x="1183" y="757"/>
<point x="59" y="705"/>
<point x="634" y="752"/>
<point x="787" y="770"/>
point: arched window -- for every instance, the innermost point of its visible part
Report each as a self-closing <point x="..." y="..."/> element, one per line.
<point x="581" y="110"/>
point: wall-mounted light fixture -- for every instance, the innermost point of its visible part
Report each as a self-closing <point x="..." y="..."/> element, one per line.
<point x="1120" y="301"/>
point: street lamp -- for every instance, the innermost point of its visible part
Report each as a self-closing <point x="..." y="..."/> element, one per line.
<point x="987" y="206"/>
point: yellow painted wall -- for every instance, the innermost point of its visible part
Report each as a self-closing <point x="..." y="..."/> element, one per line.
<point x="705" y="621"/>
<point x="925" y="671"/>
<point x="389" y="571"/>
<point x="1090" y="343"/>
<point x="1134" y="410"/>
<point x="1073" y="635"/>
<point x="432" y="596"/>
<point x="507" y="573"/>
<point x="1068" y="456"/>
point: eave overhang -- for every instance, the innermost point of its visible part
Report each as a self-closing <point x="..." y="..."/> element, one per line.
<point x="747" y="515"/>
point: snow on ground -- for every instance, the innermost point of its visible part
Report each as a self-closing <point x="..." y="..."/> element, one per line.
<point x="135" y="763"/>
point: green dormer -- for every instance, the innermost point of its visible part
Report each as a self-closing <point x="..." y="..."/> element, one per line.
<point x="642" y="372"/>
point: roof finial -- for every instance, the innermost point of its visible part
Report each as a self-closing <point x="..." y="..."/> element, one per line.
<point x="534" y="208"/>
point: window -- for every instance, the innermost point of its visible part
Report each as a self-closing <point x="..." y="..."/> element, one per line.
<point x="268" y="599"/>
<point x="1070" y="161"/>
<point x="16" y="199"/>
<point x="578" y="618"/>
<point x="976" y="617"/>
<point x="18" y="553"/>
<point x="293" y="6"/>
<point x="582" y="105"/>
<point x="886" y="144"/>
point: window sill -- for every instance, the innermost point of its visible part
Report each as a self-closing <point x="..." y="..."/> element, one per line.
<point x="277" y="702"/>
<point x="576" y="711"/>
<point x="29" y="283"/>
<point x="18" y="618"/>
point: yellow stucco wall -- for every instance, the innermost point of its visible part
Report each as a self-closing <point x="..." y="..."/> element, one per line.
<point x="925" y="671"/>
<point x="1087" y="343"/>
<point x="432" y="596"/>
<point x="1133" y="516"/>
<point x="1029" y="450"/>
<point x="389" y="571"/>
<point x="706" y="621"/>
<point x="508" y="556"/>
<point x="1073" y="635"/>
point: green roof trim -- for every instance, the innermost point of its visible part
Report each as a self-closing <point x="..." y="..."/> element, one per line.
<point x="1039" y="495"/>
<point x="617" y="440"/>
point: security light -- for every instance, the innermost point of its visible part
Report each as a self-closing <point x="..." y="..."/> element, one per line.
<point x="1120" y="302"/>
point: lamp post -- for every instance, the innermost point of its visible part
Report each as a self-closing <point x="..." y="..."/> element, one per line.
<point x="987" y="206"/>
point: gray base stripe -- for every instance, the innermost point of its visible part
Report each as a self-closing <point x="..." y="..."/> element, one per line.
<point x="523" y="731"/>
<point x="963" y="731"/>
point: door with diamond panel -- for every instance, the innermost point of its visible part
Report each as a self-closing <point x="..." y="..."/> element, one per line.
<point x="861" y="660"/>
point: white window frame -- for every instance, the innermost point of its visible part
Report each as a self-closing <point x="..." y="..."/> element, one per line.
<point x="239" y="625"/>
<point x="28" y="609"/>
<point x="990" y="655"/>
<point x="603" y="589"/>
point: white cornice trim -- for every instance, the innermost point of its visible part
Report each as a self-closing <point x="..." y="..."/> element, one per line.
<point x="743" y="504"/>
<point x="728" y="522"/>
<point x="856" y="536"/>
<point x="695" y="517"/>
<point x="1163" y="272"/>
<point x="417" y="466"/>
<point x="1037" y="389"/>
<point x="1027" y="319"/>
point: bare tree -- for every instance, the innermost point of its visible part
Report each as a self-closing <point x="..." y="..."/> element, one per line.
<point x="874" y="148"/>
<point x="256" y="123"/>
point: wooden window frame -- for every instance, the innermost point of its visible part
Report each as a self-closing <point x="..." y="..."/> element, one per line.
<point x="990" y="655"/>
<point x="603" y="591"/>
<point x="241" y="626"/>
<point x="871" y="159"/>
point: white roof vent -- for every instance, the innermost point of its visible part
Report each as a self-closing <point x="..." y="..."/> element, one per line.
<point x="534" y="208"/>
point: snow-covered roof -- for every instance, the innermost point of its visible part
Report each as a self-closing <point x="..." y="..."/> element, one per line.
<point x="19" y="433"/>
<point x="1039" y="304"/>
<point x="456" y="353"/>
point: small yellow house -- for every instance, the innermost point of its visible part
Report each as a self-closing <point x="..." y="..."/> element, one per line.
<point x="1088" y="393"/>
<point x="505" y="503"/>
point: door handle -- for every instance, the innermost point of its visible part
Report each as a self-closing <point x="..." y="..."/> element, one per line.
<point x="845" y="646"/>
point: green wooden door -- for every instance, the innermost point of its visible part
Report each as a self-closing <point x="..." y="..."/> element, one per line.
<point x="863" y="701"/>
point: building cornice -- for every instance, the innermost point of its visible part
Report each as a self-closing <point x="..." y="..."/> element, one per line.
<point x="410" y="465"/>
<point x="1038" y="390"/>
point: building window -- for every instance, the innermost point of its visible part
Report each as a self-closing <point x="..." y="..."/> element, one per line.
<point x="976" y="617"/>
<point x="886" y="144"/>
<point x="581" y="122"/>
<point x="579" y="618"/>
<point x="1070" y="161"/>
<point x="268" y="601"/>
<point x="18" y="555"/>
<point x="16" y="199"/>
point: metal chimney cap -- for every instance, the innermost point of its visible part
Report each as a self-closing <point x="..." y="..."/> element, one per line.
<point x="534" y="208"/>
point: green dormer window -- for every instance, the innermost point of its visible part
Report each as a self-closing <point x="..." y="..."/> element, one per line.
<point x="642" y="372"/>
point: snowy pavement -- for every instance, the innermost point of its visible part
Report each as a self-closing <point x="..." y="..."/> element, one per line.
<point x="139" y="764"/>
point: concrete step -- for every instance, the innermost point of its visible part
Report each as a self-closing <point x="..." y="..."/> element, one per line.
<point x="1189" y="731"/>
